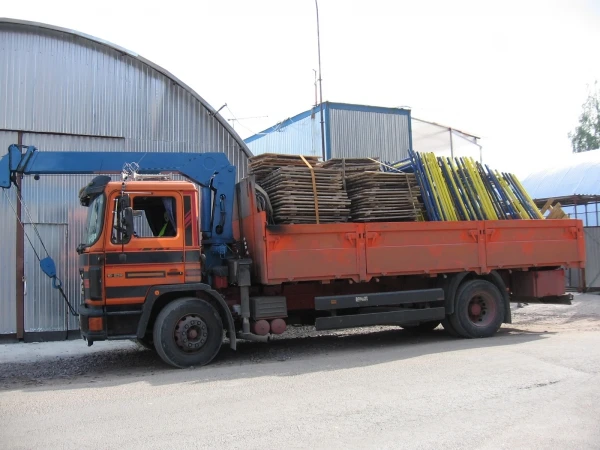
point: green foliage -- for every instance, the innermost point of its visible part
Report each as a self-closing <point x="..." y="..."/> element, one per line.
<point x="587" y="134"/>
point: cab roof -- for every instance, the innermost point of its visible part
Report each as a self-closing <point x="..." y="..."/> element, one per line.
<point x="155" y="185"/>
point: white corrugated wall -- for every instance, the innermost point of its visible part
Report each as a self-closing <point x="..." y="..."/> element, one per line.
<point x="302" y="137"/>
<point x="69" y="93"/>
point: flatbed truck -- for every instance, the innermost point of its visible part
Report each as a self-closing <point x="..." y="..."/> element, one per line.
<point x="181" y="266"/>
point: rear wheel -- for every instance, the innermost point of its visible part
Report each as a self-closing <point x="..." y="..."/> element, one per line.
<point x="188" y="332"/>
<point x="449" y="328"/>
<point x="478" y="309"/>
<point x="423" y="327"/>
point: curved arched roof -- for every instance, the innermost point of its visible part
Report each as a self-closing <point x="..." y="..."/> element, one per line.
<point x="143" y="60"/>
<point x="578" y="175"/>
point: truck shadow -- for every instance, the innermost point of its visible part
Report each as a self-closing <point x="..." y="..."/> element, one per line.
<point x="251" y="360"/>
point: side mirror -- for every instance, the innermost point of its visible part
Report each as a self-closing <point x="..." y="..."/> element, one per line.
<point x="128" y="222"/>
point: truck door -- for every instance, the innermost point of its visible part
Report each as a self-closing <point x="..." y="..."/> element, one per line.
<point x="153" y="255"/>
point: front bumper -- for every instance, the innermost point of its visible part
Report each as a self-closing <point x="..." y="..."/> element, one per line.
<point x="86" y="313"/>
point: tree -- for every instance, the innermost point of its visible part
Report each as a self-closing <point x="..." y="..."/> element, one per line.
<point x="587" y="134"/>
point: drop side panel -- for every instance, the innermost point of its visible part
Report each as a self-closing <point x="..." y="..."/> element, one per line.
<point x="535" y="243"/>
<point x="403" y="248"/>
<point x="314" y="252"/>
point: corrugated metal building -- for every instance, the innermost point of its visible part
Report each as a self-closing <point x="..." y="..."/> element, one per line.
<point x="64" y="91"/>
<point x="362" y="131"/>
<point x="350" y="131"/>
<point x="574" y="183"/>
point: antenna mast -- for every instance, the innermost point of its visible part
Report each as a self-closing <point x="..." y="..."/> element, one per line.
<point x="320" y="84"/>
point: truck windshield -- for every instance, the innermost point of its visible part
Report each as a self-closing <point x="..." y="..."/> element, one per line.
<point x="95" y="218"/>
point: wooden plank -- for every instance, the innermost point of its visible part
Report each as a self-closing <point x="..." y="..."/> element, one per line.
<point x="547" y="206"/>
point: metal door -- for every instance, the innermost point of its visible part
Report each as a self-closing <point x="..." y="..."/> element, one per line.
<point x="592" y="250"/>
<point x="45" y="309"/>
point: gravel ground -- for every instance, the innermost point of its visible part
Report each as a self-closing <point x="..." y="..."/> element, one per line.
<point x="38" y="364"/>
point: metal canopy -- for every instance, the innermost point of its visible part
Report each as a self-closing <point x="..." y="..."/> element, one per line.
<point x="576" y="179"/>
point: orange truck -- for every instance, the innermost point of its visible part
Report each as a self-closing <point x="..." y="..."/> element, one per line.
<point x="182" y="265"/>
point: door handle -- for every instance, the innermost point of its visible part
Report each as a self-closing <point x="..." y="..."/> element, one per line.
<point x="174" y="273"/>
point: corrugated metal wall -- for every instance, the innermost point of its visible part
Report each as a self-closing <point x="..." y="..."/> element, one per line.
<point x="8" y="221"/>
<point x="301" y="137"/>
<point x="592" y="250"/>
<point x="351" y="131"/>
<point x="59" y="83"/>
<point x="361" y="133"/>
<point x="592" y="265"/>
<point x="70" y="93"/>
<point x="53" y="200"/>
<point x="45" y="310"/>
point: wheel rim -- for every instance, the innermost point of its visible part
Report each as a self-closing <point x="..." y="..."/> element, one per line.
<point x="191" y="333"/>
<point x="481" y="310"/>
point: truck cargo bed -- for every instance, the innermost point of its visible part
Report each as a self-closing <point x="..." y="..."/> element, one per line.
<point x="362" y="251"/>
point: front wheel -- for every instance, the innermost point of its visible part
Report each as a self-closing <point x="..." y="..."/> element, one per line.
<point x="478" y="309"/>
<point x="188" y="332"/>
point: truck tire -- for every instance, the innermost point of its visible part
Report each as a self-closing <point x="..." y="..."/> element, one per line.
<point x="423" y="327"/>
<point x="478" y="310"/>
<point x="188" y="332"/>
<point x="449" y="328"/>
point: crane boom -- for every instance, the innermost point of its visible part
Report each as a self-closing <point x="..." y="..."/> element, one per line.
<point x="211" y="171"/>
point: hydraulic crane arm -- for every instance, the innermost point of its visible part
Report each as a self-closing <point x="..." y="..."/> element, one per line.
<point x="211" y="171"/>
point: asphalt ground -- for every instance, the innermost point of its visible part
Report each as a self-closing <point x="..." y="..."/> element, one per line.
<point x="535" y="384"/>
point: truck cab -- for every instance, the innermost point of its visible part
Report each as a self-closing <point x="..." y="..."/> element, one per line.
<point x="138" y="235"/>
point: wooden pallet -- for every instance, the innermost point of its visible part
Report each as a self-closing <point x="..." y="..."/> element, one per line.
<point x="351" y="165"/>
<point x="383" y="196"/>
<point x="262" y="165"/>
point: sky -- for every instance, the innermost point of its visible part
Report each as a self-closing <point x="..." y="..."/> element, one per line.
<point x="513" y="72"/>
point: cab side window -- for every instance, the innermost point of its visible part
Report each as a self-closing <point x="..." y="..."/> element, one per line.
<point x="154" y="217"/>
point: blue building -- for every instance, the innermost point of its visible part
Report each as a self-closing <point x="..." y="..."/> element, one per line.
<point x="358" y="131"/>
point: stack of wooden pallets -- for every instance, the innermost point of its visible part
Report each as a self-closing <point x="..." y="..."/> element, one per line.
<point x="292" y="195"/>
<point x="262" y="165"/>
<point x="299" y="190"/>
<point x="383" y="196"/>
